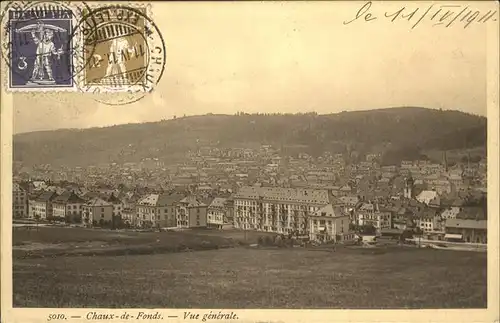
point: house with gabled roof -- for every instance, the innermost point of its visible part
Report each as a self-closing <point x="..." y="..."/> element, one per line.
<point x="217" y="212"/>
<point x="40" y="207"/>
<point x="158" y="210"/>
<point x="466" y="230"/>
<point x="191" y="212"/>
<point x="330" y="223"/>
<point x="430" y="198"/>
<point x="97" y="212"/>
<point x="68" y="206"/>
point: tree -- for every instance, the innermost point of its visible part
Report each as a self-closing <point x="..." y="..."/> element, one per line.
<point x="306" y="219"/>
<point x="475" y="159"/>
<point x="368" y="229"/>
<point x="260" y="241"/>
<point x="407" y="234"/>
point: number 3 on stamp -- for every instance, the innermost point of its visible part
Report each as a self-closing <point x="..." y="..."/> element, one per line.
<point x="40" y="52"/>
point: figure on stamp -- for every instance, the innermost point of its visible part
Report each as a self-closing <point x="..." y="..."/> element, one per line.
<point x="42" y="35"/>
<point x="119" y="52"/>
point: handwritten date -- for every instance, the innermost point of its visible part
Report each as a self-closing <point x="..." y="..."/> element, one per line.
<point x="446" y="15"/>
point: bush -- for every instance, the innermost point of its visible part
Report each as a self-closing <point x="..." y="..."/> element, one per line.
<point x="278" y="241"/>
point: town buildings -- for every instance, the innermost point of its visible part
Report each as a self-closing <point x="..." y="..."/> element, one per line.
<point x="40" y="207"/>
<point x="97" y="212"/>
<point x="276" y="209"/>
<point x="217" y="213"/>
<point x="191" y="213"/>
<point x="370" y="214"/>
<point x="157" y="210"/>
<point x="68" y="206"/>
<point x="466" y="230"/>
<point x="330" y="224"/>
<point x="19" y="201"/>
<point x="259" y="189"/>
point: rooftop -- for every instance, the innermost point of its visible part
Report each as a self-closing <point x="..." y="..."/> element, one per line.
<point x="299" y="195"/>
<point x="466" y="223"/>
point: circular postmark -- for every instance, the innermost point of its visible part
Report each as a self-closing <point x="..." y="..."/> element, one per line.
<point x="39" y="48"/>
<point x="126" y="55"/>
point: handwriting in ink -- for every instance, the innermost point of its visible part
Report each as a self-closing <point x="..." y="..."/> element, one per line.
<point x="445" y="14"/>
<point x="363" y="11"/>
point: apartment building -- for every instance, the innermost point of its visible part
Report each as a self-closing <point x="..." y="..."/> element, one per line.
<point x="371" y="214"/>
<point x="157" y="210"/>
<point x="40" y="207"/>
<point x="330" y="223"/>
<point x="429" y="221"/>
<point x="191" y="213"/>
<point x="117" y="205"/>
<point x="97" y="212"/>
<point x="68" y="206"/>
<point x="276" y="209"/>
<point x="19" y="201"/>
<point x="217" y="213"/>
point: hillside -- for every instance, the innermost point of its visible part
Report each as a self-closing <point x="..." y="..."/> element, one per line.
<point x="398" y="132"/>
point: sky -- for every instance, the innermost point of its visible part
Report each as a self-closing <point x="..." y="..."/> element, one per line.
<point x="288" y="57"/>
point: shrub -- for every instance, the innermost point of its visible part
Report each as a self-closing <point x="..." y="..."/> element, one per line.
<point x="268" y="241"/>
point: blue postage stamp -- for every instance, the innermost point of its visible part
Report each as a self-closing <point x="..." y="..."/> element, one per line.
<point x="40" y="53"/>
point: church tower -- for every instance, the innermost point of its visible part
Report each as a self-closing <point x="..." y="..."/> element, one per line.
<point x="408" y="190"/>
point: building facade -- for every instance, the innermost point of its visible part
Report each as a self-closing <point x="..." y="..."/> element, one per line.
<point x="97" y="212"/>
<point x="217" y="213"/>
<point x="276" y="209"/>
<point x="191" y="213"/>
<point x="68" y="206"/>
<point x="369" y="214"/>
<point x="19" y="201"/>
<point x="157" y="210"/>
<point x="473" y="231"/>
<point x="40" y="207"/>
<point x="330" y="224"/>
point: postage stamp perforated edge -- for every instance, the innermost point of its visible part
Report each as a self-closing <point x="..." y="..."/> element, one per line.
<point x="75" y="42"/>
<point x="107" y="90"/>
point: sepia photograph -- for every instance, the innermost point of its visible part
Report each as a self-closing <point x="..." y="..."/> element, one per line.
<point x="248" y="156"/>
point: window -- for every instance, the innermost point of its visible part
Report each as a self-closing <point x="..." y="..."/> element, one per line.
<point x="198" y="210"/>
<point x="102" y="209"/>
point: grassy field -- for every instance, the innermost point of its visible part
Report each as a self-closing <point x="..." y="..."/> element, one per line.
<point x="58" y="241"/>
<point x="253" y="278"/>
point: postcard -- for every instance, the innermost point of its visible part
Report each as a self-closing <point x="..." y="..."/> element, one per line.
<point x="244" y="161"/>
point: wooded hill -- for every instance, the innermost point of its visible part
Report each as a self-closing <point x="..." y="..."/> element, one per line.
<point x="398" y="133"/>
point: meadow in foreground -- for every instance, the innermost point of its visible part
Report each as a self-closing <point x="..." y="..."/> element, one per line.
<point x="252" y="278"/>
